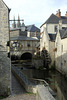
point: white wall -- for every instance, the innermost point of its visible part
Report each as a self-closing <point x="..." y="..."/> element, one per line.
<point x="51" y="27"/>
<point x="64" y="53"/>
<point x="61" y="54"/>
<point x="44" y="41"/>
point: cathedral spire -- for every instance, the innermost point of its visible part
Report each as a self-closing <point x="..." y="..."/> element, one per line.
<point x="14" y="24"/>
<point x="18" y="22"/>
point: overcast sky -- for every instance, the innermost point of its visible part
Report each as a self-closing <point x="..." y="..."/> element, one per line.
<point x="35" y="11"/>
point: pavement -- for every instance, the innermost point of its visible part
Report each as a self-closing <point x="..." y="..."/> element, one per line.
<point x="18" y="92"/>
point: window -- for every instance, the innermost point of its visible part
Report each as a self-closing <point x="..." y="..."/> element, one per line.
<point x="55" y="28"/>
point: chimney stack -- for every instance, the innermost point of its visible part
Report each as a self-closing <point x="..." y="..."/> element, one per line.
<point x="66" y="14"/>
<point x="58" y="14"/>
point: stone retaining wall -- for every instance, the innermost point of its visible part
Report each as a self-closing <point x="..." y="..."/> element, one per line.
<point x="37" y="63"/>
<point x="43" y="93"/>
<point x="29" y="86"/>
<point x="5" y="77"/>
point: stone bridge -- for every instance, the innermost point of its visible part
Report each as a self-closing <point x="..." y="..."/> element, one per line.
<point x="22" y="49"/>
<point x="24" y="55"/>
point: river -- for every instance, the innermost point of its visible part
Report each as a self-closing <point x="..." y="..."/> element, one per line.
<point x="57" y="81"/>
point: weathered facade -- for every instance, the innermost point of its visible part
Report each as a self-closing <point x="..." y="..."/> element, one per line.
<point x="52" y="23"/>
<point x="5" y="79"/>
<point x="21" y="45"/>
<point x="33" y="31"/>
<point x="47" y="41"/>
<point x="61" y="51"/>
<point x="23" y="42"/>
<point x="49" y="31"/>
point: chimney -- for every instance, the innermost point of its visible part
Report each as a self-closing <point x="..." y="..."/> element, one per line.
<point x="58" y="14"/>
<point x="66" y="14"/>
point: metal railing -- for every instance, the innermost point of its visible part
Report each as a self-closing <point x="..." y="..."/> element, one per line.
<point x="29" y="81"/>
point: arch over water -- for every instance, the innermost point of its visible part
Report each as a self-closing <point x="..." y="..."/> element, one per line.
<point x="26" y="56"/>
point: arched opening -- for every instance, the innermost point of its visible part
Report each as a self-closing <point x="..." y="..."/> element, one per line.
<point x="26" y="56"/>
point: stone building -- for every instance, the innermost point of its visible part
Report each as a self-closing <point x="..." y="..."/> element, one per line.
<point x="49" y="30"/>
<point x="5" y="79"/>
<point x="23" y="47"/>
<point x="23" y="39"/>
<point x="61" y="50"/>
<point x="31" y="30"/>
<point x="52" y="22"/>
<point x="47" y="41"/>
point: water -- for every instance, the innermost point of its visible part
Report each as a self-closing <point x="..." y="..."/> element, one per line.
<point x="57" y="81"/>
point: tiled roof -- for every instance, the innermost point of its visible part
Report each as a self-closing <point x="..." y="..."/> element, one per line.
<point x="63" y="33"/>
<point x="52" y="36"/>
<point x="32" y="28"/>
<point x="52" y="19"/>
<point x="23" y="38"/>
<point x="55" y="20"/>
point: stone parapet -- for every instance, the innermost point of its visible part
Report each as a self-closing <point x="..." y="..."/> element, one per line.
<point x="43" y="93"/>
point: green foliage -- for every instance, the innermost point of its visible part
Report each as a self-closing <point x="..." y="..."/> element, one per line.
<point x="41" y="67"/>
<point x="52" y="67"/>
<point x="65" y="76"/>
<point x="30" y="93"/>
<point x="1" y="97"/>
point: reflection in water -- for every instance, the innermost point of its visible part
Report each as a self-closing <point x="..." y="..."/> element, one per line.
<point x="61" y="86"/>
<point x="56" y="81"/>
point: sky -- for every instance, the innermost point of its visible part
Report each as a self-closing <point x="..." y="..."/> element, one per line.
<point x="35" y="11"/>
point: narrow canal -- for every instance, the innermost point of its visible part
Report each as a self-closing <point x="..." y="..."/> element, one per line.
<point x="57" y="81"/>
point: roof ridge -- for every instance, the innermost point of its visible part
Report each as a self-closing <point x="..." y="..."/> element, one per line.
<point x="6" y="5"/>
<point x="49" y="19"/>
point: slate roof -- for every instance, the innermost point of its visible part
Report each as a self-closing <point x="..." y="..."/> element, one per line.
<point x="63" y="33"/>
<point x="32" y="28"/>
<point x="23" y="38"/>
<point x="53" y="19"/>
<point x="52" y="36"/>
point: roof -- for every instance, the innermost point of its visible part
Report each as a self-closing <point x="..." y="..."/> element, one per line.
<point x="14" y="29"/>
<point x="23" y="38"/>
<point x="32" y="28"/>
<point x="53" y="19"/>
<point x="63" y="33"/>
<point x="52" y="36"/>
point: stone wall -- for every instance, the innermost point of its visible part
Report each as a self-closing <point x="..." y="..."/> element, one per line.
<point x="61" y="54"/>
<point x="43" y="93"/>
<point x="37" y="63"/>
<point x="4" y="60"/>
<point x="14" y="33"/>
<point x="4" y="74"/>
